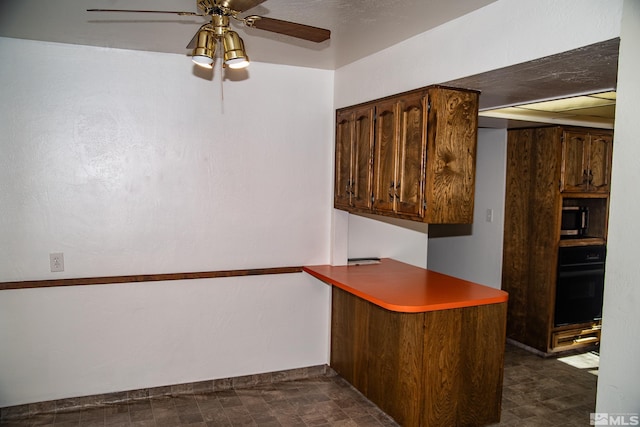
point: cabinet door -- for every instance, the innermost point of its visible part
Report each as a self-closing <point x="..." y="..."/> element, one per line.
<point x="344" y="143"/>
<point x="411" y="155"/>
<point x="599" y="171"/>
<point x="452" y="127"/>
<point x="385" y="149"/>
<point x="361" y="168"/>
<point x="574" y="175"/>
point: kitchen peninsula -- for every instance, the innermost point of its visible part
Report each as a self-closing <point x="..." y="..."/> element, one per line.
<point x="427" y="348"/>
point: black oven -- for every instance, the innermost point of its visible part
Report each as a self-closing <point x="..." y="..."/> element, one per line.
<point x="580" y="284"/>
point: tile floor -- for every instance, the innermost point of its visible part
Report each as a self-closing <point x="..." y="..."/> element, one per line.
<point x="537" y="392"/>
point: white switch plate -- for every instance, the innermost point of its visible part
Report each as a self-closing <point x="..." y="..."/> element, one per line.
<point x="56" y="261"/>
<point x="489" y="215"/>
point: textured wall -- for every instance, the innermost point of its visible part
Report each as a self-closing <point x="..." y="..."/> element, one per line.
<point x="128" y="163"/>
<point x="619" y="376"/>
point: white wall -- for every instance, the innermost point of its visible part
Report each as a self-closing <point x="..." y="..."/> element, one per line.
<point x="477" y="256"/>
<point x="128" y="163"/>
<point x="619" y="374"/>
<point x="402" y="240"/>
<point x="84" y="340"/>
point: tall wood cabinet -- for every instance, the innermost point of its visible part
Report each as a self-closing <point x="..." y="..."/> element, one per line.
<point x="548" y="168"/>
<point x="409" y="156"/>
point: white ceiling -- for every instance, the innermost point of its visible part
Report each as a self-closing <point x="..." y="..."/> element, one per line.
<point x="358" y="27"/>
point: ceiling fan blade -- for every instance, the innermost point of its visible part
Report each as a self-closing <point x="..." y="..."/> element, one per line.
<point x="293" y="29"/>
<point x="147" y="11"/>
<point x="239" y="5"/>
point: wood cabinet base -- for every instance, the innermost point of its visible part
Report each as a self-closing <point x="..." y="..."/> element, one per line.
<point x="423" y="369"/>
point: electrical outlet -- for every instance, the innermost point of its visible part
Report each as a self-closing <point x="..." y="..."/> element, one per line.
<point x="56" y="261"/>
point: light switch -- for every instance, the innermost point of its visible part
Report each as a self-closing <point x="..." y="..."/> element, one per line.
<point x="489" y="215"/>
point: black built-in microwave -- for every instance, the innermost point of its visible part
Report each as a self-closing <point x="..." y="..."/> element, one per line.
<point x="575" y="221"/>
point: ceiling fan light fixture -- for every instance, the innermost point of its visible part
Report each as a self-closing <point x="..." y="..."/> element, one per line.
<point x="234" y="54"/>
<point x="205" y="49"/>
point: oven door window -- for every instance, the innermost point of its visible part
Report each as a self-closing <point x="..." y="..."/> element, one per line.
<point x="579" y="295"/>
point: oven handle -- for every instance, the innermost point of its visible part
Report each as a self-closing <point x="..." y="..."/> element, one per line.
<point x="578" y="273"/>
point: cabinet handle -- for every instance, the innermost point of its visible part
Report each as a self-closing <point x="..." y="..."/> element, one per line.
<point x="392" y="191"/>
<point x="590" y="176"/>
<point x="349" y="187"/>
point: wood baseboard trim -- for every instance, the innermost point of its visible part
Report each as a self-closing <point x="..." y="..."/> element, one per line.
<point x="31" y="284"/>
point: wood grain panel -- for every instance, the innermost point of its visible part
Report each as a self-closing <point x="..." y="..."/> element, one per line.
<point x="362" y="173"/>
<point x="443" y="367"/>
<point x="349" y="337"/>
<point x="483" y="376"/>
<point x="412" y="147"/>
<point x="574" y="161"/>
<point x="438" y="368"/>
<point x="544" y="236"/>
<point x="395" y="353"/>
<point x="515" y="265"/>
<point x="600" y="153"/>
<point x="344" y="146"/>
<point x="452" y="143"/>
<point x="385" y="159"/>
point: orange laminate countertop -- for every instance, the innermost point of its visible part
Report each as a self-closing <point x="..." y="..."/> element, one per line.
<point x="405" y="288"/>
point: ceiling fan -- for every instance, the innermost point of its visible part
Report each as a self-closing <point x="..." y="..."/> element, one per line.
<point x="218" y="30"/>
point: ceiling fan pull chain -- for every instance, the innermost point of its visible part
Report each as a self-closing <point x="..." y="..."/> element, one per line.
<point x="221" y="86"/>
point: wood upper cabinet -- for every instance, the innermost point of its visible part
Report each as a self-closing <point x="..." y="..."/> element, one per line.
<point x="400" y="144"/>
<point x="354" y="145"/>
<point x="424" y="146"/>
<point x="385" y="156"/>
<point x="586" y="161"/>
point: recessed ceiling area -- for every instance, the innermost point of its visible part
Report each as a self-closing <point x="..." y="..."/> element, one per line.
<point x="597" y="110"/>
<point x="584" y="71"/>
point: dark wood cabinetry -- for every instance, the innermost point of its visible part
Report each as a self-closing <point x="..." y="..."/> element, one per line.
<point x="586" y="161"/>
<point x="548" y="169"/>
<point x="412" y="366"/>
<point x="422" y="162"/>
<point x="400" y="145"/>
<point x="354" y="148"/>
